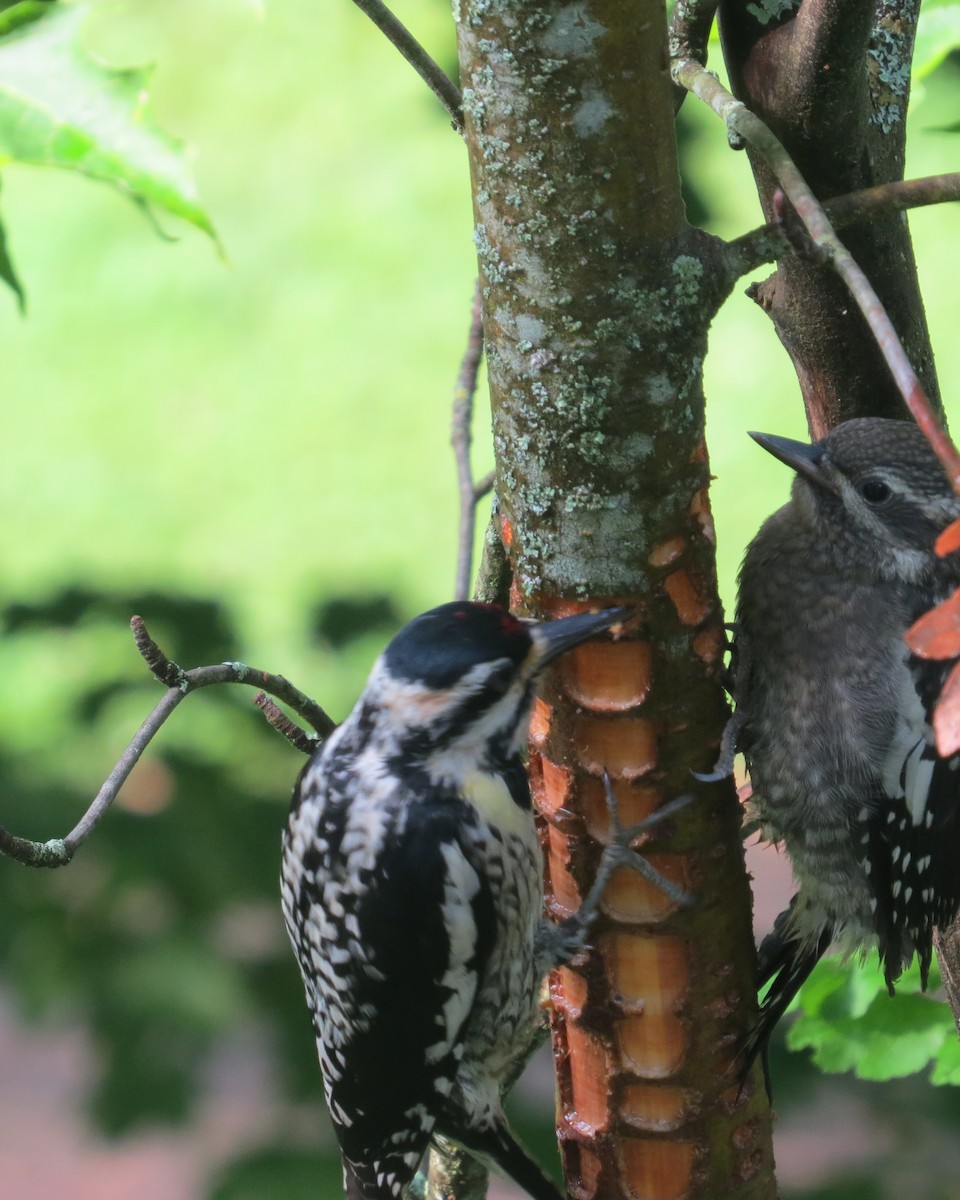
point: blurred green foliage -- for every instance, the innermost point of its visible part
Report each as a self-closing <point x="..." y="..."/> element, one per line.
<point x="254" y="457"/>
<point x="849" y="1023"/>
<point x="61" y="108"/>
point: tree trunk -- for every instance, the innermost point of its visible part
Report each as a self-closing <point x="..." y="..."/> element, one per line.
<point x="597" y="298"/>
<point x="832" y="81"/>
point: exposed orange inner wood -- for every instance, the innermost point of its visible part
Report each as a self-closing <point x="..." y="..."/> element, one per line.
<point x="625" y="747"/>
<point x="667" y="551"/>
<point x="654" y="1106"/>
<point x="656" y="1168"/>
<point x="630" y="897"/>
<point x="651" y="975"/>
<point x="709" y="644"/>
<point x="634" y="803"/>
<point x="688" y="599"/>
<point x="568" y="992"/>
<point x="591" y="1067"/>
<point x="566" y="894"/>
<point x="540" y="718"/>
<point x="554" y="607"/>
<point x="608" y="676"/>
<point x="553" y="795"/>
<point x="700" y="510"/>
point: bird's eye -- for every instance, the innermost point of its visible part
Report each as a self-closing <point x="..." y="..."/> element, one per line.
<point x="875" y="491"/>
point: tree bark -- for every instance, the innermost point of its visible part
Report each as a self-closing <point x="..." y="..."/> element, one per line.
<point x="597" y="297"/>
<point x="832" y="80"/>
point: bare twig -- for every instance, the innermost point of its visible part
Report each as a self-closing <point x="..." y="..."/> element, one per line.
<point x="743" y="126"/>
<point x="432" y="74"/>
<point x="169" y="674"/>
<point x="898" y="195"/>
<point x="461" y="437"/>
<point x="59" y="851"/>
<point x="769" y="242"/>
<point x="276" y="717"/>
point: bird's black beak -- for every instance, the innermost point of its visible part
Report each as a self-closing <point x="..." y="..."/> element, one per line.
<point x="806" y="459"/>
<point x="556" y="637"/>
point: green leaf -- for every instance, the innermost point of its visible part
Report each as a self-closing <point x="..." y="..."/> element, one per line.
<point x="21" y="12"/>
<point x="938" y="32"/>
<point x="851" y="1024"/>
<point x="59" y="107"/>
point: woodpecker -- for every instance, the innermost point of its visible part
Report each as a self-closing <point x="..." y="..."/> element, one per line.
<point x="412" y="893"/>
<point x="833" y="712"/>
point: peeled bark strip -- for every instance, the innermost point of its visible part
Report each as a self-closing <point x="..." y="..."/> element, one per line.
<point x="597" y="298"/>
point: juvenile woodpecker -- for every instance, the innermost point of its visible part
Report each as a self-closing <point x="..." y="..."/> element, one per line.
<point x="833" y="713"/>
<point x="412" y="892"/>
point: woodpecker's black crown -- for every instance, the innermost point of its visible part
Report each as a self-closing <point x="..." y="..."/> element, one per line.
<point x="442" y="645"/>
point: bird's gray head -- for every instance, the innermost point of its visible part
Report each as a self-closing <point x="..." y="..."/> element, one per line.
<point x="467" y="670"/>
<point x="874" y="491"/>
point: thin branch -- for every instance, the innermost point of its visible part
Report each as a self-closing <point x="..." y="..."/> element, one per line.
<point x="168" y="673"/>
<point x="172" y="675"/>
<point x="461" y="436"/>
<point x="768" y="242"/>
<point x="59" y="851"/>
<point x="278" y="719"/>
<point x="432" y="74"/>
<point x="899" y="195"/>
<point x="743" y="126"/>
<point x="689" y="35"/>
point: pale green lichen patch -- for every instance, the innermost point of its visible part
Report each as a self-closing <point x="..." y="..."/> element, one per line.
<point x="530" y="328"/>
<point x="571" y="32"/>
<point x="767" y="11"/>
<point x="888" y="70"/>
<point x="592" y="113"/>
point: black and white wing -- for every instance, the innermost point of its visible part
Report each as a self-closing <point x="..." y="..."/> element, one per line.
<point x="911" y="835"/>
<point x="391" y="952"/>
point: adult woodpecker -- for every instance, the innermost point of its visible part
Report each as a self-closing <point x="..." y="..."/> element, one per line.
<point x="412" y="892"/>
<point x="833" y="712"/>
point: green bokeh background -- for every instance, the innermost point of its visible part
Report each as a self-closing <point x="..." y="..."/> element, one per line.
<point x="254" y="456"/>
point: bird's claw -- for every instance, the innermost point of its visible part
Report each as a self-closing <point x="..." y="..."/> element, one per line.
<point x="620" y="851"/>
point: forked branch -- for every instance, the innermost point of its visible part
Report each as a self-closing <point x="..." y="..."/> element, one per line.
<point x="743" y="126"/>
<point x="770" y="241"/>
<point x="179" y="683"/>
